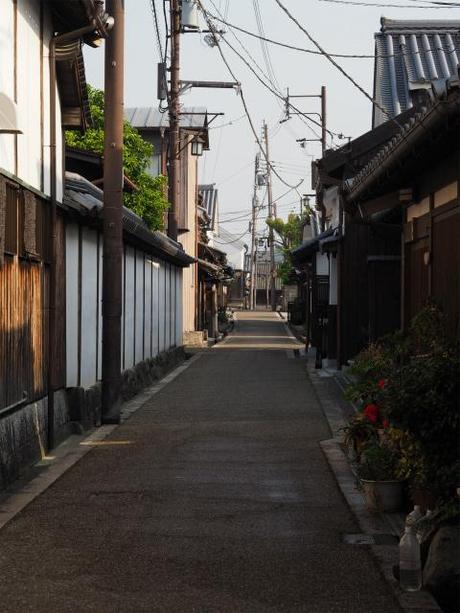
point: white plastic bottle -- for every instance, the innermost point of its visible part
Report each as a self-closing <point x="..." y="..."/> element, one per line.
<point x="423" y="528"/>
<point x="414" y="516"/>
<point x="410" y="569"/>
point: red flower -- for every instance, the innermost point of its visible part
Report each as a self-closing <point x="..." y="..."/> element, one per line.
<point x="385" y="423"/>
<point x="381" y="384"/>
<point x="371" y="411"/>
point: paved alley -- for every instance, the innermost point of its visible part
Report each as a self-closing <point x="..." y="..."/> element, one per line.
<point x="213" y="497"/>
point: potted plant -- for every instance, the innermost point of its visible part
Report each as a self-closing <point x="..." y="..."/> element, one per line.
<point x="358" y="434"/>
<point x="378" y="474"/>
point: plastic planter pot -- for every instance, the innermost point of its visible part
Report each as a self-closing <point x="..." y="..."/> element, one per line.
<point x="385" y="496"/>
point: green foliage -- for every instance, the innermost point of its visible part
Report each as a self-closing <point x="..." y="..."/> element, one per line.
<point x="374" y="364"/>
<point x="379" y="462"/>
<point x="148" y="201"/>
<point x="419" y="395"/>
<point x="289" y="236"/>
<point x="359" y="433"/>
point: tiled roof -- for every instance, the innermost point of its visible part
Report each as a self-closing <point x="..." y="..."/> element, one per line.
<point x="409" y="56"/>
<point x="418" y="127"/>
<point x="87" y="199"/>
<point x="209" y="202"/>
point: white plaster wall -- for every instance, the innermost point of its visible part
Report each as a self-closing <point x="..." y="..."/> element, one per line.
<point x="167" y="306"/>
<point x="155" y="309"/>
<point x="148" y="272"/>
<point x="161" y="307"/>
<point x="29" y="76"/>
<point x="179" y="326"/>
<point x="32" y="157"/>
<point x="129" y="308"/>
<point x="7" y="77"/>
<point x="139" y="307"/>
<point x="173" y="306"/>
<point x="89" y="299"/>
<point x="71" y="265"/>
<point x="152" y="323"/>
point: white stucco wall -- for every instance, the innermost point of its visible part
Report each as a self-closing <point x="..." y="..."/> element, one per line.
<point x="152" y="307"/>
<point x="89" y="306"/>
<point x="72" y="304"/>
<point x="32" y="76"/>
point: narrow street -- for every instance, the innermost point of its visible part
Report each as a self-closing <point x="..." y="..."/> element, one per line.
<point x="213" y="497"/>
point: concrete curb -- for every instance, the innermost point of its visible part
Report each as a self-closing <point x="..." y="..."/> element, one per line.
<point x="370" y="524"/>
<point x="23" y="491"/>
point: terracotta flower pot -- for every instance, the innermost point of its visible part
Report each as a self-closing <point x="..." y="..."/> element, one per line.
<point x="384" y="496"/>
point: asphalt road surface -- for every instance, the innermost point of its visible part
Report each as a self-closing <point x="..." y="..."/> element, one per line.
<point x="213" y="497"/>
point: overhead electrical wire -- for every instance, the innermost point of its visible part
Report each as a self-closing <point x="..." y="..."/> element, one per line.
<point x="334" y="63"/>
<point x="382" y="5"/>
<point x="276" y="93"/>
<point x="275" y="88"/>
<point x="157" y="28"/>
<point x="230" y="242"/>
<point x="272" y="87"/>
<point x="263" y="45"/>
<point x="243" y="101"/>
<point x="360" y="56"/>
<point x="228" y="123"/>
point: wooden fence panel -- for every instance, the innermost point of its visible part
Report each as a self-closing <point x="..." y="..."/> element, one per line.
<point x="23" y="334"/>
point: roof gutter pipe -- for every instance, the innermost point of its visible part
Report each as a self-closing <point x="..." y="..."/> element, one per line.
<point x="59" y="39"/>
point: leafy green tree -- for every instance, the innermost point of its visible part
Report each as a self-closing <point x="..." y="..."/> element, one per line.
<point x="148" y="201"/>
<point x="289" y="236"/>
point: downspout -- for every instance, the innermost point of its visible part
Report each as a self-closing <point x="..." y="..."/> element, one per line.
<point x="52" y="332"/>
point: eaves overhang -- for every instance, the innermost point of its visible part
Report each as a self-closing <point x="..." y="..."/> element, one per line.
<point x="84" y="200"/>
<point x="395" y="158"/>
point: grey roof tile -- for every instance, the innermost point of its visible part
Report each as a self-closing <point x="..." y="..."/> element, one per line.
<point x="410" y="55"/>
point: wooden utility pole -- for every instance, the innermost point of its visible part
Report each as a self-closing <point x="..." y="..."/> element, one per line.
<point x="323" y="120"/>
<point x="113" y="216"/>
<point x="252" y="304"/>
<point x="174" y="120"/>
<point x="271" y="216"/>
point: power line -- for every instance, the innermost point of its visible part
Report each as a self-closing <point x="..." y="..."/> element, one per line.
<point x="399" y="6"/>
<point x="265" y="51"/>
<point x="238" y="238"/>
<point x="157" y="28"/>
<point x="285" y="45"/>
<point x="334" y="63"/>
<point x="361" y="56"/>
<point x="275" y="88"/>
<point x="228" y="123"/>
<point x="211" y="27"/>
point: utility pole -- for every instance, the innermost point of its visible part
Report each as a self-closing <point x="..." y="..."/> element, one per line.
<point x="113" y="216"/>
<point x="174" y="119"/>
<point x="323" y="120"/>
<point x="252" y="304"/>
<point x="271" y="216"/>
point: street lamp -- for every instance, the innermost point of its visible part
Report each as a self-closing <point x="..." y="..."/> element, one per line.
<point x="197" y="147"/>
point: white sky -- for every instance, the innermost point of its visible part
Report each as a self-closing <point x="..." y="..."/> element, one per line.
<point x="230" y="161"/>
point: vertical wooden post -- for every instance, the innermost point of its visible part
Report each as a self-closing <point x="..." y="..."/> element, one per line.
<point x="113" y="216"/>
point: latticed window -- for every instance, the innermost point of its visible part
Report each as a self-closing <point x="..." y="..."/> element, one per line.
<point x="24" y="223"/>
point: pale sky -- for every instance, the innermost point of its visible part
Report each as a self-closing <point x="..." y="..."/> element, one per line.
<point x="230" y="162"/>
